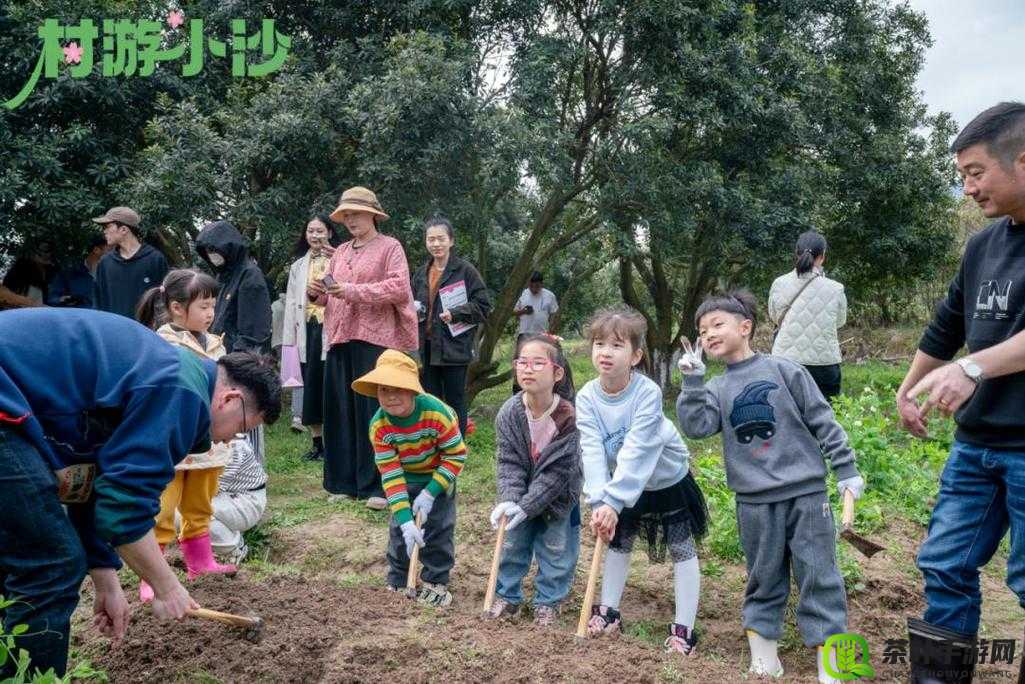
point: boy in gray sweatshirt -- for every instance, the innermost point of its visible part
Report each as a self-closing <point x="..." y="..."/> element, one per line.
<point x="776" y="430"/>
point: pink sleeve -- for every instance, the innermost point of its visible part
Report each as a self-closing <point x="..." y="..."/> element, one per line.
<point x="394" y="289"/>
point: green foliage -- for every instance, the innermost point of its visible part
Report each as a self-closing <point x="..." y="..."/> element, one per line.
<point x="82" y="671"/>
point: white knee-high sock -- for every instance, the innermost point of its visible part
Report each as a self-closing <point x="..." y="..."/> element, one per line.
<point x="687" y="586"/>
<point x="617" y="566"/>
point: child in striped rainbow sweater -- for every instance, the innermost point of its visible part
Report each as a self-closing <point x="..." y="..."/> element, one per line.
<point x="419" y="451"/>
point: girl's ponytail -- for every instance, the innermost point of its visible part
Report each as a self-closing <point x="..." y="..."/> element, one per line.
<point x="151" y="310"/>
<point x="810" y="246"/>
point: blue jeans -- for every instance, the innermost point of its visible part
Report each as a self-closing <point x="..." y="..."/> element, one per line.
<point x="555" y="544"/>
<point x="982" y="493"/>
<point x="42" y="562"/>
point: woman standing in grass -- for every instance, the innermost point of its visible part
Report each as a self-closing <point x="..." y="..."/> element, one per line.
<point x="303" y="325"/>
<point x="808" y="308"/>
<point x="447" y="334"/>
<point x="368" y="307"/>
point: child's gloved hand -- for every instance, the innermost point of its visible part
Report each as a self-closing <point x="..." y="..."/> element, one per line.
<point x="423" y="503"/>
<point x="412" y="535"/>
<point x="856" y="484"/>
<point x="498" y="511"/>
<point x="691" y="361"/>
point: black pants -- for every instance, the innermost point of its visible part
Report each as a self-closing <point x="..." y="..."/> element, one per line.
<point x="349" y="466"/>
<point x="827" y="378"/>
<point x="448" y="383"/>
<point x="313" y="375"/>
<point x="438" y="554"/>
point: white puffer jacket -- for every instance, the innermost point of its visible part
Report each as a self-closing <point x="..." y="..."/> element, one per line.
<point x="808" y="335"/>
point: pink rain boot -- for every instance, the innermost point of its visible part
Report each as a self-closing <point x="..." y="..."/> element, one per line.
<point x="145" y="590"/>
<point x="199" y="557"/>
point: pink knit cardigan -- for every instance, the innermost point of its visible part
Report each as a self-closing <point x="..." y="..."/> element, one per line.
<point x="376" y="305"/>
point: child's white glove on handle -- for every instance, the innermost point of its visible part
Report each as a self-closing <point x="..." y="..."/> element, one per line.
<point x="412" y="535"/>
<point x="423" y="503"/>
<point x="691" y="361"/>
<point x="856" y="484"/>
<point x="514" y="515"/>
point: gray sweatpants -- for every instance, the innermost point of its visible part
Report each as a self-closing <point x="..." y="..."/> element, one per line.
<point x="438" y="554"/>
<point x="796" y="533"/>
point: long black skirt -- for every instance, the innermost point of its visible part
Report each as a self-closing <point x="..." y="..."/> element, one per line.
<point x="349" y="466"/>
<point x="313" y="375"/>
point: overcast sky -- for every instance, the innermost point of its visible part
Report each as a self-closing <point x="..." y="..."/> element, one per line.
<point x="977" y="58"/>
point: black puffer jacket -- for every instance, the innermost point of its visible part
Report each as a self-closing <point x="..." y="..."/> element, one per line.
<point x="446" y="350"/>
<point x="243" y="314"/>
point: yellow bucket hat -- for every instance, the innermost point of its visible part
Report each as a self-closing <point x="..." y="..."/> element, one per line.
<point x="393" y="369"/>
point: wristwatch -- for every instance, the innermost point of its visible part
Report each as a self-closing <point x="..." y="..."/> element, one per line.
<point x="971" y="369"/>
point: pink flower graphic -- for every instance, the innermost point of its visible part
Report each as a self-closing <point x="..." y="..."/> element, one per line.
<point x="72" y="53"/>
<point x="175" y="19"/>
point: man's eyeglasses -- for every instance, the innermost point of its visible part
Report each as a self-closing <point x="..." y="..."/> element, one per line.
<point x="532" y="364"/>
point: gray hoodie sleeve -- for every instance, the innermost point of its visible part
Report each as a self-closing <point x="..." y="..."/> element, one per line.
<point x="697" y="407"/>
<point x="818" y="416"/>
<point x="512" y="470"/>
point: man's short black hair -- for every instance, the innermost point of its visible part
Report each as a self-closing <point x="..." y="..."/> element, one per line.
<point x="536" y="277"/>
<point x="96" y="241"/>
<point x="256" y="374"/>
<point x="1000" y="128"/>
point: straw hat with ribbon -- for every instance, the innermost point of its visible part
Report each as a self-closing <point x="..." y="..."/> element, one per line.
<point x="393" y="369"/>
<point x="359" y="199"/>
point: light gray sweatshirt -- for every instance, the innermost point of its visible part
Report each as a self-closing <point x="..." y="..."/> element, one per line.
<point x="627" y="443"/>
<point x="776" y="426"/>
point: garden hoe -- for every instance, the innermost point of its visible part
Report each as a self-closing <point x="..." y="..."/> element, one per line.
<point x="414" y="562"/>
<point x="489" y="596"/>
<point x="252" y="626"/>
<point x="592" y="583"/>
<point x="866" y="546"/>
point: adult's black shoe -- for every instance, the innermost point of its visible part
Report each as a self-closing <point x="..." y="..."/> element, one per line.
<point x="940" y="655"/>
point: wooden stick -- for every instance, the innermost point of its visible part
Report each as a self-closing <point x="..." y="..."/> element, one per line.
<point x="847" y="517"/>
<point x="414" y="561"/>
<point x="227" y="618"/>
<point x="489" y="595"/>
<point x="592" y="582"/>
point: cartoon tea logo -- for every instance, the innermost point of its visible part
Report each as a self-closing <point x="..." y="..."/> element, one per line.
<point x="851" y="657"/>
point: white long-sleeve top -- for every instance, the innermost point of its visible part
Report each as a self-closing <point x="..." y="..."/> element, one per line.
<point x="628" y="445"/>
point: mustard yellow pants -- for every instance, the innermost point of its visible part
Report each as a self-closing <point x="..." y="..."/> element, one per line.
<point x="191" y="493"/>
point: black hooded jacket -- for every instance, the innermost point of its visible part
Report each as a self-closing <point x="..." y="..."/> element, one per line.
<point x="243" y="314"/>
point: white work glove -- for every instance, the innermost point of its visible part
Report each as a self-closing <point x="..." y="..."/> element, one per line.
<point x="691" y="360"/>
<point x="514" y="515"/>
<point x="423" y="503"/>
<point x="412" y="535"/>
<point x="856" y="484"/>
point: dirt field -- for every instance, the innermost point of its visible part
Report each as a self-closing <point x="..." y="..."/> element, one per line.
<point x="334" y="621"/>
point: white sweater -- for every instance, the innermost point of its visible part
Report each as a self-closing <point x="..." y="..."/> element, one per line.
<point x="808" y="335"/>
<point x="627" y="444"/>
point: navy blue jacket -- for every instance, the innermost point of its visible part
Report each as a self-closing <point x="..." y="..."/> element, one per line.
<point x="91" y="387"/>
<point x="75" y="282"/>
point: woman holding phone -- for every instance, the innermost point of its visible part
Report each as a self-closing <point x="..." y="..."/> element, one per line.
<point x="303" y="324"/>
<point x="368" y="307"/>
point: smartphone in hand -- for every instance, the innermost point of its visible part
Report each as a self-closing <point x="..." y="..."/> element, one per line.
<point x="328" y="281"/>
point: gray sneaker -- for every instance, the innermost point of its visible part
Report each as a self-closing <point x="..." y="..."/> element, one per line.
<point x="546" y="616"/>
<point x="377" y="503"/>
<point x="436" y="595"/>
<point x="501" y="608"/>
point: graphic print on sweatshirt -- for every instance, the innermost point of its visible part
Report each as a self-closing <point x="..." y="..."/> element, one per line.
<point x="752" y="415"/>
<point x="993" y="300"/>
